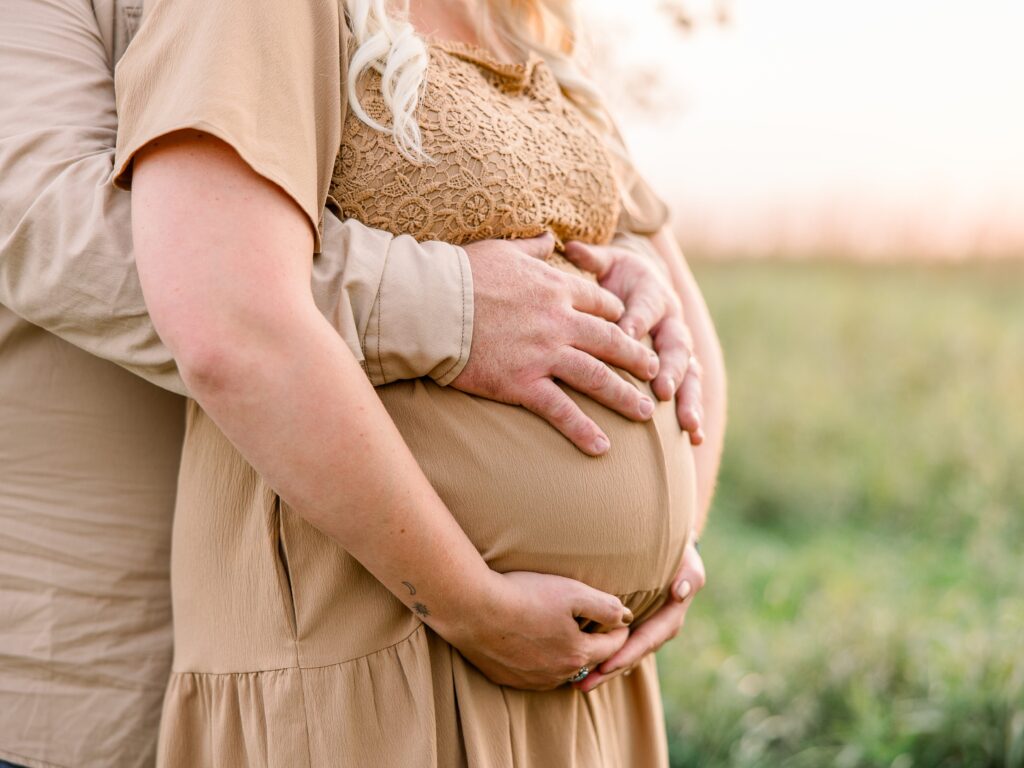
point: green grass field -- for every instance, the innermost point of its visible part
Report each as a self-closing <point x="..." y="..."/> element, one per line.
<point x="865" y="603"/>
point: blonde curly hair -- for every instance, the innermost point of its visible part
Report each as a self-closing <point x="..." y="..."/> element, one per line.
<point x="386" y="42"/>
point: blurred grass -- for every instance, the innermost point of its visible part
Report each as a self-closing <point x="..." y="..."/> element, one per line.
<point x="865" y="604"/>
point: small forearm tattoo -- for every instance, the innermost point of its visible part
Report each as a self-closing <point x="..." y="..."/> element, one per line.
<point x="421" y="610"/>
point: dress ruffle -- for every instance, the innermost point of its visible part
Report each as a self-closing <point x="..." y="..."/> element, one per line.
<point x="415" y="703"/>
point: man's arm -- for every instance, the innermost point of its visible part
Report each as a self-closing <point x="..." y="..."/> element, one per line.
<point x="66" y="260"/>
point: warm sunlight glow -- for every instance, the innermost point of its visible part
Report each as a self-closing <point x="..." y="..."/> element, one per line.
<point x="871" y="128"/>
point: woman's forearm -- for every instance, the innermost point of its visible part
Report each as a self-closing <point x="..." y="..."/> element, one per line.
<point x="708" y="455"/>
<point x="328" y="447"/>
<point x="232" y="302"/>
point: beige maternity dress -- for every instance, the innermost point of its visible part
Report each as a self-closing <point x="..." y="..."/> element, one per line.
<point x="288" y="652"/>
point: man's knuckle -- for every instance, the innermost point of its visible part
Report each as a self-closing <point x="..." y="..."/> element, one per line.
<point x="596" y="377"/>
<point x="626" y="396"/>
<point x="561" y="410"/>
<point x="548" y="405"/>
<point x="610" y="335"/>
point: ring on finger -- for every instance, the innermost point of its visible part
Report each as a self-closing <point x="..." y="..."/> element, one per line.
<point x="581" y="675"/>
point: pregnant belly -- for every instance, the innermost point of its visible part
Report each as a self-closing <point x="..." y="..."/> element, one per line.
<point x="529" y="500"/>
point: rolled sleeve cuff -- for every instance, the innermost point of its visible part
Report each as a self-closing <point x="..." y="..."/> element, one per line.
<point x="422" y="322"/>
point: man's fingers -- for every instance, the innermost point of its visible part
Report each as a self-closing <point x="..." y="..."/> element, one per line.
<point x="592" y="299"/>
<point x="649" y="636"/>
<point x="549" y="402"/>
<point x="540" y="247"/>
<point x="673" y="343"/>
<point x="645" y="308"/>
<point x="592" y="377"/>
<point x="609" y="344"/>
<point x="596" y="260"/>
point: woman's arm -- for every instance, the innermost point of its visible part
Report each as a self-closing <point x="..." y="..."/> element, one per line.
<point x="224" y="260"/>
<point x="708" y="351"/>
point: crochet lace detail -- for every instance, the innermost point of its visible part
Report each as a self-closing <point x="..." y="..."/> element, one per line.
<point x="512" y="158"/>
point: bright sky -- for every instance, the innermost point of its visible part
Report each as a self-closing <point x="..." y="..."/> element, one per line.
<point x="877" y="127"/>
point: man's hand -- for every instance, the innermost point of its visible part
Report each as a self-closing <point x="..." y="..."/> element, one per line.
<point x="661" y="627"/>
<point x="534" y="324"/>
<point x="651" y="306"/>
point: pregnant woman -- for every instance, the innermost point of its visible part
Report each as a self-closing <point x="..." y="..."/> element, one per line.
<point x="330" y="598"/>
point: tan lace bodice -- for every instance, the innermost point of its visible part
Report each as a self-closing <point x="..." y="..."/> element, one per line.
<point x="513" y="158"/>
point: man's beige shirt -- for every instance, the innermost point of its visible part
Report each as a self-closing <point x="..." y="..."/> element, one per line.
<point x="88" y="450"/>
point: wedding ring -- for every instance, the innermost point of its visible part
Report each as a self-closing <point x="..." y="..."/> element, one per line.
<point x="581" y="675"/>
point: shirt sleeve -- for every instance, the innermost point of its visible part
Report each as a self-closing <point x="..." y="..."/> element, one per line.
<point x="408" y="305"/>
<point x="264" y="76"/>
<point x="66" y="261"/>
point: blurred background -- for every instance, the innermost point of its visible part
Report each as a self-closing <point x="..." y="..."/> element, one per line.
<point x="847" y="180"/>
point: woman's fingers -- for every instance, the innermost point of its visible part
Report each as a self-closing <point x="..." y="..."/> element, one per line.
<point x="646" y="306"/>
<point x="689" y="404"/>
<point x="588" y="258"/>
<point x="649" y="636"/>
<point x="599" y="607"/>
<point x="540" y="247"/>
<point x="664" y="625"/>
<point x="599" y="646"/>
<point x="674" y="344"/>
<point x="549" y="402"/>
<point x="691" y="577"/>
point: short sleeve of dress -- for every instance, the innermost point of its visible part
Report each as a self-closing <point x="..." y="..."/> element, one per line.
<point x="261" y="75"/>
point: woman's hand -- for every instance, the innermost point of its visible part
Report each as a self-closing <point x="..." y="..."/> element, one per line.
<point x="652" y="306"/>
<point x="528" y="634"/>
<point x="661" y="627"/>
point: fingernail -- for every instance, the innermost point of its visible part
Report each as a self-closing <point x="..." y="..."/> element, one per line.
<point x="627" y="616"/>
<point x="601" y="445"/>
<point x="632" y="331"/>
<point x="683" y="590"/>
<point x="653" y="364"/>
<point x="646" y="407"/>
<point x="671" y="384"/>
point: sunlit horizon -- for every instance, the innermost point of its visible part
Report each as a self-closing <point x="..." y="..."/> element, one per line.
<point x="870" y="129"/>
